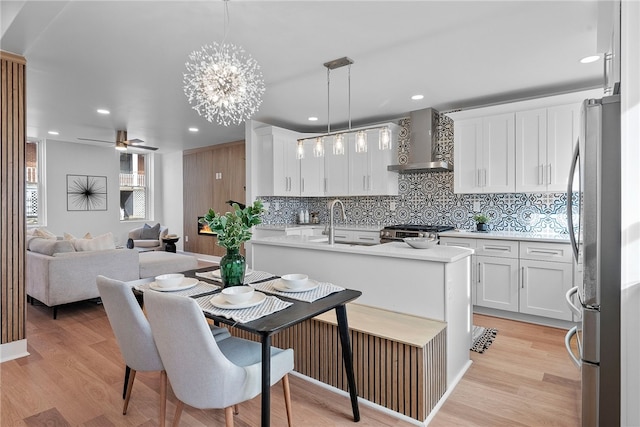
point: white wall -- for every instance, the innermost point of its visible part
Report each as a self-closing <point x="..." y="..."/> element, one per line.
<point x="172" y="202"/>
<point x="64" y="158"/>
<point x="630" y="310"/>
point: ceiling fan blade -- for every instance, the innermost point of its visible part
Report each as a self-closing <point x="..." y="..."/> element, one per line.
<point x="97" y="140"/>
<point x="134" y="141"/>
<point x="145" y="147"/>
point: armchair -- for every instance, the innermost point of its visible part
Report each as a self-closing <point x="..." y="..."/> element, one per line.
<point x="149" y="237"/>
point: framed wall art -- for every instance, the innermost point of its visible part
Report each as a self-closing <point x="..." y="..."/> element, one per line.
<point x="86" y="193"/>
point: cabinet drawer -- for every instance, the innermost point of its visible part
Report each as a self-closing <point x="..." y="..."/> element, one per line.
<point x="366" y="237"/>
<point x="460" y="242"/>
<point x="497" y="248"/>
<point x="558" y="252"/>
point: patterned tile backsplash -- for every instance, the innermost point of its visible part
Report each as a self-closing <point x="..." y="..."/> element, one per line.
<point x="428" y="198"/>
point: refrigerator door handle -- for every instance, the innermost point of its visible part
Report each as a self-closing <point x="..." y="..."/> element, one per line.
<point x="572" y="170"/>
<point x="569" y="296"/>
<point x="567" y="343"/>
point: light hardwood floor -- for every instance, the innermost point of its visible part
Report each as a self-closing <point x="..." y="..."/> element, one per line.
<point x="74" y="374"/>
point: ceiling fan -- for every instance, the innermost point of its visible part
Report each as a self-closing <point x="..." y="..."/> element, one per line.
<point x="122" y="143"/>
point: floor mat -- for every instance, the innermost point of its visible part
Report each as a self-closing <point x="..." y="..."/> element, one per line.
<point x="482" y="338"/>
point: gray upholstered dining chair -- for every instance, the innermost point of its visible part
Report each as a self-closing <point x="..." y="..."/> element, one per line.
<point x="204" y="373"/>
<point x="133" y="333"/>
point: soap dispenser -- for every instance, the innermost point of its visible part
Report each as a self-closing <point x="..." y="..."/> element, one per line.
<point x="306" y="216"/>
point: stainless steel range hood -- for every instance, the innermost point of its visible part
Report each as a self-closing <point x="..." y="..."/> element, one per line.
<point x="422" y="151"/>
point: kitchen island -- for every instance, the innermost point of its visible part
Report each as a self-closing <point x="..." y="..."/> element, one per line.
<point x="430" y="283"/>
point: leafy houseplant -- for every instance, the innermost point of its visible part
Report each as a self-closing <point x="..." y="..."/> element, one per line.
<point x="481" y="222"/>
<point x="233" y="229"/>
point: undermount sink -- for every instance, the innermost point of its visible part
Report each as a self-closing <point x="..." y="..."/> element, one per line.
<point x="325" y="239"/>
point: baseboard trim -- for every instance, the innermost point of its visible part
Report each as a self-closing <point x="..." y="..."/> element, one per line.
<point x="13" y="350"/>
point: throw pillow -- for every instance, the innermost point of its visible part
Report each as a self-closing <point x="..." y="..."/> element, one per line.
<point x="69" y="236"/>
<point x="44" y="233"/>
<point x="98" y="243"/>
<point x="150" y="233"/>
<point x="50" y="247"/>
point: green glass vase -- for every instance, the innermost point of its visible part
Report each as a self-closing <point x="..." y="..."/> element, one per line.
<point x="232" y="267"/>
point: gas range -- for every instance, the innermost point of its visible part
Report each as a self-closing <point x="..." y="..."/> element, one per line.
<point x="395" y="233"/>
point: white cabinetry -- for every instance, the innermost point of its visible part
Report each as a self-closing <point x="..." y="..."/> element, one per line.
<point x="484" y="154"/>
<point x="278" y="168"/>
<point x="525" y="277"/>
<point x="336" y="172"/>
<point x="363" y="237"/>
<point x="546" y="276"/>
<point x="368" y="174"/>
<point x="497" y="275"/>
<point x="545" y="139"/>
<point x="311" y="172"/>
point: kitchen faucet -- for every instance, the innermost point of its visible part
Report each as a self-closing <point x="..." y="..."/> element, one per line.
<point x="332" y="237"/>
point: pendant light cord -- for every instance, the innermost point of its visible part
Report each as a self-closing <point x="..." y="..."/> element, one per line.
<point x="328" y="100"/>
<point x="349" y="79"/>
<point x="226" y="20"/>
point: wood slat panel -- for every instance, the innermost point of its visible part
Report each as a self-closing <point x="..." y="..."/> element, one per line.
<point x="12" y="188"/>
<point x="404" y="378"/>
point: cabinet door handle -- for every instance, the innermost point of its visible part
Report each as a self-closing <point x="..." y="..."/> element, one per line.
<point x="479" y="275"/>
<point x="540" y="175"/>
<point x="303" y="185"/>
<point x="325" y="184"/>
<point x="478" y="179"/>
<point x="522" y="278"/>
<point x="549" y="174"/>
<point x="365" y="238"/>
<point x="543" y="252"/>
<point x="484" y="181"/>
<point x="364" y="182"/>
<point x="496" y="248"/>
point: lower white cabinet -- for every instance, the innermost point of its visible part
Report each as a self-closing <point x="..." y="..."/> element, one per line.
<point x="520" y="276"/>
<point x="497" y="285"/>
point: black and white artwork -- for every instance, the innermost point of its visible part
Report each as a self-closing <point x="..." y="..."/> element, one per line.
<point x="86" y="193"/>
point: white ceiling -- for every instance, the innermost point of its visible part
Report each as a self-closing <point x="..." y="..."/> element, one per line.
<point x="128" y="57"/>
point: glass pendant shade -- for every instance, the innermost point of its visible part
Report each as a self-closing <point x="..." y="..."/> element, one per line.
<point x="338" y="145"/>
<point x="318" y="148"/>
<point x="300" y="151"/>
<point x="361" y="142"/>
<point x="384" y="141"/>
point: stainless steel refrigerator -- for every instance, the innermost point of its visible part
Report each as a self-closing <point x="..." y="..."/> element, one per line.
<point x="593" y="210"/>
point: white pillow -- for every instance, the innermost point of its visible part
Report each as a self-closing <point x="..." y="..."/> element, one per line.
<point x="44" y="233"/>
<point x="69" y="236"/>
<point x="98" y="243"/>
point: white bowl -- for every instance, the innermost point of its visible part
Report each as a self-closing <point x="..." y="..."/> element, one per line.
<point x="237" y="294"/>
<point x="169" y="280"/>
<point x="421" y="242"/>
<point x="294" y="281"/>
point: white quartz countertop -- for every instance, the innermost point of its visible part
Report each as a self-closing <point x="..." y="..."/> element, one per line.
<point x="508" y="235"/>
<point x="322" y="226"/>
<point x="441" y="254"/>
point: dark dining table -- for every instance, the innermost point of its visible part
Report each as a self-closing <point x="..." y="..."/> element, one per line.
<point x="273" y="323"/>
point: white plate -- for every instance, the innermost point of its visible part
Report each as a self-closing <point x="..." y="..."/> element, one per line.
<point x="220" y="302"/>
<point x="187" y="283"/>
<point x="310" y="285"/>
<point x="216" y="274"/>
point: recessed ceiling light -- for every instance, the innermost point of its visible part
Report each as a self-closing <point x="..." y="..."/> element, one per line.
<point x="313" y="119"/>
<point x="54" y="132"/>
<point x="103" y="111"/>
<point x="589" y="59"/>
<point x="193" y="129"/>
<point x="417" y="97"/>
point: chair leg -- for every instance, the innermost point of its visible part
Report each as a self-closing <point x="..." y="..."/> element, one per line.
<point x="55" y="312"/>
<point x="163" y="397"/>
<point x="176" y="417"/>
<point x="132" y="376"/>
<point x="287" y="398"/>
<point x="228" y="416"/>
<point x="236" y="409"/>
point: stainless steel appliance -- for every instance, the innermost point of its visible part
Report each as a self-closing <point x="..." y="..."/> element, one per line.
<point x="395" y="233"/>
<point x="596" y="239"/>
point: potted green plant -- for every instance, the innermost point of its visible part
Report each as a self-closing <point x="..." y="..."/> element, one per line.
<point x="481" y="222"/>
<point x="232" y="229"/>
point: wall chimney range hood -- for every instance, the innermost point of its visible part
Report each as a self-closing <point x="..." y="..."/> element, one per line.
<point x="422" y="151"/>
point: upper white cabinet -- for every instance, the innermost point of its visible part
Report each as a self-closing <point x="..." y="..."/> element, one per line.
<point x="368" y="174"/>
<point x="545" y="139"/>
<point x="484" y="154"/>
<point x="336" y="172"/>
<point x="278" y="168"/>
<point x="312" y="172"/>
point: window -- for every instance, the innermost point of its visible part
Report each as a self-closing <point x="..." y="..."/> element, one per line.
<point x="134" y="186"/>
<point x="34" y="177"/>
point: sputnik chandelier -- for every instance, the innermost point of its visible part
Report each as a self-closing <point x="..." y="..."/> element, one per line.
<point x="222" y="82"/>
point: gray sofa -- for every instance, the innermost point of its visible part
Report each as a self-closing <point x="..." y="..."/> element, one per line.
<point x="60" y="275"/>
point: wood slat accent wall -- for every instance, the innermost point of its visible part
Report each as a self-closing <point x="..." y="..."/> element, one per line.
<point x="202" y="191"/>
<point x="401" y="377"/>
<point x="12" y="189"/>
